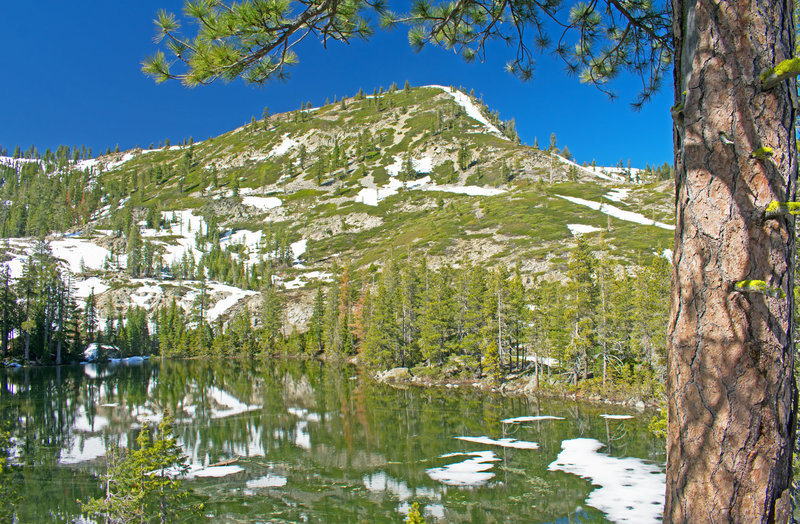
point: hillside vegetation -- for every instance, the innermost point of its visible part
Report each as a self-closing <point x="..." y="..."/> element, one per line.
<point x="256" y="223"/>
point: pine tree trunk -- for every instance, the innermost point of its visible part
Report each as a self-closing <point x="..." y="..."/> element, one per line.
<point x="730" y="385"/>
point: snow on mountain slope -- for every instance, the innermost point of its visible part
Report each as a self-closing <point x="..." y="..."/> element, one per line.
<point x="419" y="165"/>
<point x="185" y="226"/>
<point x="580" y="229"/>
<point x="472" y="110"/>
<point x="616" y="212"/>
<point x="283" y="147"/>
<point x="231" y="296"/>
<point x="75" y="253"/>
<point x="591" y="171"/>
<point x="373" y="196"/>
<point x="262" y="203"/>
<point x="17" y="163"/>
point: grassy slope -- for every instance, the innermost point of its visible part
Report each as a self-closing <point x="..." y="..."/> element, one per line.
<point x="529" y="221"/>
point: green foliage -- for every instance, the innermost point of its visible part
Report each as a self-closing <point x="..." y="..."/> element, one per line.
<point x="141" y="485"/>
<point x="782" y="208"/>
<point x="414" y="516"/>
<point x="759" y="286"/>
<point x="658" y="424"/>
<point x="762" y="153"/>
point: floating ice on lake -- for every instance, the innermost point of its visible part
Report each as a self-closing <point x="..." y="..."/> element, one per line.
<point x="631" y="490"/>
<point x="270" y="481"/>
<point x="503" y="442"/>
<point x="470" y="472"/>
<point x="217" y="471"/>
<point x="534" y="418"/>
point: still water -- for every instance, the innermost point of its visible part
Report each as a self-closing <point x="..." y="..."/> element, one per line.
<point x="311" y="442"/>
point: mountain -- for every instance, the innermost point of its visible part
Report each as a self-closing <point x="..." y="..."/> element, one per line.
<point x="292" y="197"/>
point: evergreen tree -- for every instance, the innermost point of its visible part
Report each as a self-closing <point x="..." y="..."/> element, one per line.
<point x="134" y="250"/>
<point x="583" y="294"/>
<point x="141" y="484"/>
<point x="464" y="156"/>
<point x="271" y="319"/>
<point x="382" y="340"/>
<point x="90" y="316"/>
<point x="436" y="319"/>
<point x="316" y="324"/>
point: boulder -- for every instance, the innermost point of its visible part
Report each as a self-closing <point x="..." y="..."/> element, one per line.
<point x="396" y="375"/>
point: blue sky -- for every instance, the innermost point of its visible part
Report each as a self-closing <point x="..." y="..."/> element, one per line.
<point x="71" y="76"/>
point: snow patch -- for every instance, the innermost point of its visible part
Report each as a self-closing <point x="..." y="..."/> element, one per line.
<point x="186" y="227"/>
<point x="84" y="288"/>
<point x="234" y="295"/>
<point x="581" y="229"/>
<point x="283" y="147"/>
<point x="618" y="194"/>
<point x="599" y="173"/>
<point x="616" y="212"/>
<point x="262" y="203"/>
<point x="472" y="110"/>
<point x="125" y="158"/>
<point x="631" y="490"/>
<point x="297" y="283"/>
<point x="464" y="190"/>
<point x="74" y="250"/>
<point x="146" y="295"/>
<point x="372" y="196"/>
<point x="616" y="417"/>
<point x="299" y="249"/>
<point x="419" y="165"/>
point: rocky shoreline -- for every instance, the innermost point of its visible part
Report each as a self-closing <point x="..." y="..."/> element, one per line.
<point x="524" y="385"/>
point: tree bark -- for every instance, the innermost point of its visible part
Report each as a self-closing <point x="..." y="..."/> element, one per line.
<point x="730" y="384"/>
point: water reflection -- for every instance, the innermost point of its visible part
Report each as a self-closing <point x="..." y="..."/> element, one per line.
<point x="303" y="441"/>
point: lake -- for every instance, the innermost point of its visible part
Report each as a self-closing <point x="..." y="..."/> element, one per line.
<point x="320" y="443"/>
